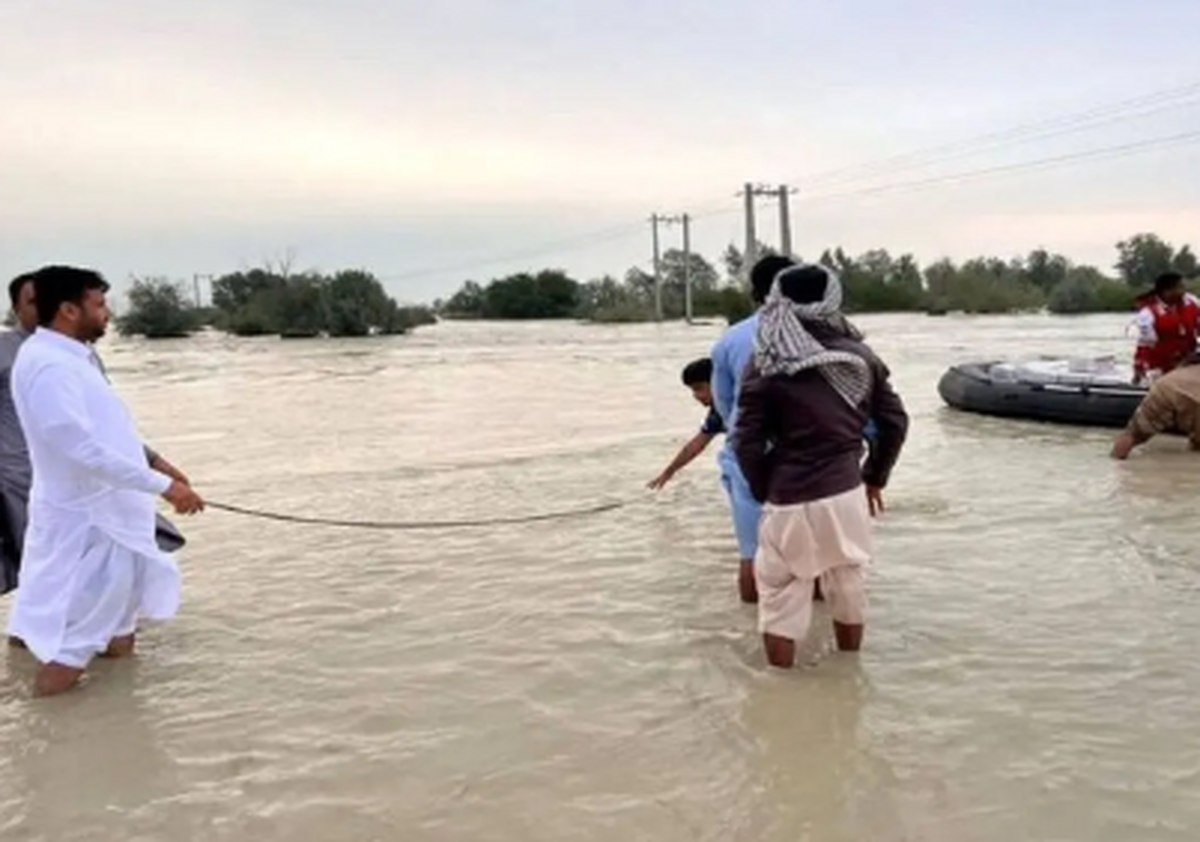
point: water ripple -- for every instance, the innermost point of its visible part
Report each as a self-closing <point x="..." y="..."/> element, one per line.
<point x="1029" y="663"/>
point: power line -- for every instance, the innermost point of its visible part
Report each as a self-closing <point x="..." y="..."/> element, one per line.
<point x="1022" y="133"/>
<point x="551" y="247"/>
<point x="1025" y="133"/>
<point x="1119" y="150"/>
<point x="1049" y="127"/>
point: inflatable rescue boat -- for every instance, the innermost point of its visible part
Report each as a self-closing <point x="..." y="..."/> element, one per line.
<point x="1087" y="392"/>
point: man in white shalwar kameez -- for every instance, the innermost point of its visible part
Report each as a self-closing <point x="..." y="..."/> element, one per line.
<point x="90" y="568"/>
<point x="16" y="474"/>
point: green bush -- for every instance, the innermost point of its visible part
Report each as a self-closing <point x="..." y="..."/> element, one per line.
<point x="159" y="309"/>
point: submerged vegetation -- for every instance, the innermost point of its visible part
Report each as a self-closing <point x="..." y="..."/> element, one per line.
<point x="159" y="309"/>
<point x="353" y="302"/>
<point x="874" y="282"/>
<point x="273" y="302"/>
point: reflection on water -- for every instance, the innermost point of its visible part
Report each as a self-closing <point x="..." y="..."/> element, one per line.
<point x="1028" y="672"/>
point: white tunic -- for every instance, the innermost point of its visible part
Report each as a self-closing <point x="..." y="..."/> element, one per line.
<point x="90" y="566"/>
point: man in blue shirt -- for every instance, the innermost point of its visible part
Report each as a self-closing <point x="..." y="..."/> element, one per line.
<point x="697" y="376"/>
<point x="730" y="355"/>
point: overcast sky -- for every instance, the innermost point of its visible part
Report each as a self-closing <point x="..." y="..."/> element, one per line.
<point x="428" y="141"/>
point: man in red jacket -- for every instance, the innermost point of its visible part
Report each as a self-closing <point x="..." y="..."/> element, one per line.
<point x="1167" y="325"/>
<point x="805" y="397"/>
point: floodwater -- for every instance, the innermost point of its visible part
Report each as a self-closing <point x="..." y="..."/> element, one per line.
<point x="1030" y="670"/>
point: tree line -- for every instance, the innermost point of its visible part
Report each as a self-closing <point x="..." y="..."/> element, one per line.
<point x="271" y="301"/>
<point x="875" y="281"/>
<point x="352" y="302"/>
<point x="553" y="294"/>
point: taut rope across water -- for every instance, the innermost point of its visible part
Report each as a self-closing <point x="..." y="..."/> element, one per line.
<point x="599" y="508"/>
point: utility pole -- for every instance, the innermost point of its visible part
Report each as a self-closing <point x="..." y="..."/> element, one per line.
<point x="749" y="193"/>
<point x="687" y="268"/>
<point x="749" y="255"/>
<point x="785" y="222"/>
<point x="658" y="314"/>
<point x="655" y="219"/>
<point x="196" y="278"/>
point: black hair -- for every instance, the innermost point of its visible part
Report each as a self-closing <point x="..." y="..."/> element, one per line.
<point x="16" y="285"/>
<point x="697" y="372"/>
<point x="805" y="284"/>
<point x="1166" y="281"/>
<point x="763" y="275"/>
<point x="54" y="286"/>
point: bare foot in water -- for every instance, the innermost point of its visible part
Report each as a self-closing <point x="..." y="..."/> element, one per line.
<point x="781" y="651"/>
<point x="747" y="587"/>
<point x="53" y="679"/>
<point x="119" y="647"/>
<point x="849" y="638"/>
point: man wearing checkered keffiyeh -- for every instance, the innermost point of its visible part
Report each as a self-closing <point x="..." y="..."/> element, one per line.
<point x="783" y="346"/>
<point x="809" y="389"/>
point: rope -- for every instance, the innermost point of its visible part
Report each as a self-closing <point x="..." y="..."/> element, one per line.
<point x="415" y="525"/>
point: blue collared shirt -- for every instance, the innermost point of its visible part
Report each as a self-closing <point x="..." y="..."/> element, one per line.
<point x="730" y="355"/>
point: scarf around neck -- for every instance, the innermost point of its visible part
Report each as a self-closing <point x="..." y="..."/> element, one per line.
<point x="784" y="346"/>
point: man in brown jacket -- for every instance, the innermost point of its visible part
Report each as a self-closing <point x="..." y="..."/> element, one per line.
<point x="805" y="398"/>
<point x="1171" y="406"/>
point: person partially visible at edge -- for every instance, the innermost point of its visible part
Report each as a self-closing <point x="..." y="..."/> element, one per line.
<point x="15" y="471"/>
<point x="90" y="568"/>
<point x="1167" y="322"/>
<point x="806" y="396"/>
<point x="730" y="355"/>
<point x="697" y="376"/>
<point x="1172" y="405"/>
